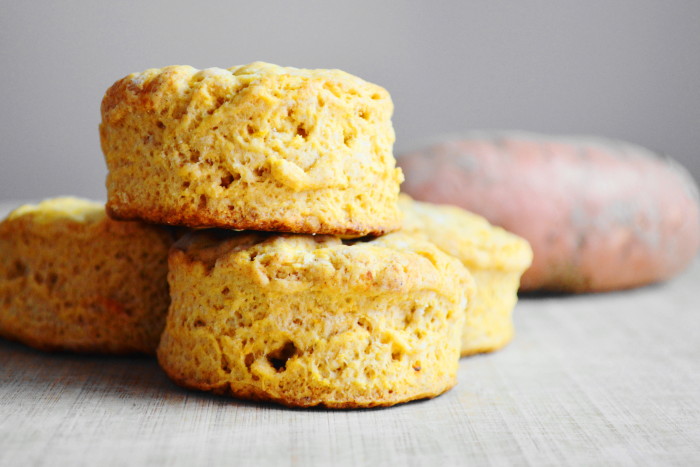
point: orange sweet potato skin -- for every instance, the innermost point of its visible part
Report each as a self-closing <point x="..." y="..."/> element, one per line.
<point x="600" y="215"/>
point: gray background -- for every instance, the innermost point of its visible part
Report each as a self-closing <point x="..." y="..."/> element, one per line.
<point x="627" y="69"/>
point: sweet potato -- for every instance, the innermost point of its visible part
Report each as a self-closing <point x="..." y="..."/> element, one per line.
<point x="600" y="214"/>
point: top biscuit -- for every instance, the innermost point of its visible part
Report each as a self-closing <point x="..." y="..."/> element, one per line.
<point x="256" y="147"/>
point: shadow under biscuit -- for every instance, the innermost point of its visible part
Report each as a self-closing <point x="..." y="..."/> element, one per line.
<point x="50" y="378"/>
<point x="25" y="369"/>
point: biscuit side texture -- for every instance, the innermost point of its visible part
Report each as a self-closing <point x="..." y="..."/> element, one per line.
<point x="311" y="321"/>
<point x="256" y="147"/>
<point x="495" y="257"/>
<point x="73" y="279"/>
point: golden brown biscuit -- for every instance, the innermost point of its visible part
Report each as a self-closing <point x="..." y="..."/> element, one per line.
<point x="256" y="147"/>
<point x="496" y="258"/>
<point x="309" y="320"/>
<point x="73" y="279"/>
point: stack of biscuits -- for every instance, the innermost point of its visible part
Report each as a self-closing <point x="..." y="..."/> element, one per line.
<point x="296" y="274"/>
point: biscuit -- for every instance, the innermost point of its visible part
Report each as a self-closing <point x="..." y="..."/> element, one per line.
<point x="306" y="320"/>
<point x="73" y="279"/>
<point x="254" y="147"/>
<point x="496" y="258"/>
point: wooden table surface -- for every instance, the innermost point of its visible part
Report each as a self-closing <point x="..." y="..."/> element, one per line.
<point x="604" y="379"/>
